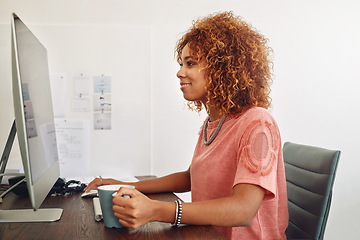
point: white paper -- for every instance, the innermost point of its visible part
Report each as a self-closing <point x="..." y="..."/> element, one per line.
<point x="81" y="86"/>
<point x="58" y="93"/>
<point x="73" y="141"/>
<point x="97" y="209"/>
<point x="102" y="84"/>
<point x="102" y="121"/>
<point x="80" y="104"/>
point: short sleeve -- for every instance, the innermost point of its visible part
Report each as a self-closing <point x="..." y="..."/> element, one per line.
<point x="258" y="152"/>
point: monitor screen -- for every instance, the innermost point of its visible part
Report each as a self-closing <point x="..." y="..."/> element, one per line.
<point x="34" y="117"/>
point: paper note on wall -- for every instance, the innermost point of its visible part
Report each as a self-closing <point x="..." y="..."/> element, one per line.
<point x="102" y="121"/>
<point x="80" y="104"/>
<point x="81" y="85"/>
<point x="58" y="93"/>
<point x="73" y="141"/>
<point x="102" y="84"/>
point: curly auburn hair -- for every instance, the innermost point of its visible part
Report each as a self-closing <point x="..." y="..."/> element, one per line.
<point x="236" y="60"/>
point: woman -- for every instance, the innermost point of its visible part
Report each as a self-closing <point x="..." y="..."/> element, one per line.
<point x="236" y="177"/>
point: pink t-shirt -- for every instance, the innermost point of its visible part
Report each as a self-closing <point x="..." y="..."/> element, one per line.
<point x="246" y="150"/>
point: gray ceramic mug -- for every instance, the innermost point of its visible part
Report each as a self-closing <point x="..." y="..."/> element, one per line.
<point x="106" y="202"/>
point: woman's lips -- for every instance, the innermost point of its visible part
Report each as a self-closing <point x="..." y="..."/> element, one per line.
<point x="184" y="85"/>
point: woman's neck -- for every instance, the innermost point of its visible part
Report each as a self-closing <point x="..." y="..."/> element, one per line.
<point x="213" y="113"/>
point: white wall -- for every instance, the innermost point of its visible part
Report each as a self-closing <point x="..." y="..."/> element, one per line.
<point x="76" y="48"/>
<point x="316" y="47"/>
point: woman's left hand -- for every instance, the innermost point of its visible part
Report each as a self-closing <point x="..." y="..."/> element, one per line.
<point x="135" y="211"/>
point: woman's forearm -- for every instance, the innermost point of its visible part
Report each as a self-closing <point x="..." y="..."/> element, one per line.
<point x="176" y="182"/>
<point x="237" y="210"/>
<point x="218" y="212"/>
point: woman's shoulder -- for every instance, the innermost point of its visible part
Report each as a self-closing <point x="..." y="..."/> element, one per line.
<point x="254" y="113"/>
<point x="256" y="120"/>
<point x="253" y="116"/>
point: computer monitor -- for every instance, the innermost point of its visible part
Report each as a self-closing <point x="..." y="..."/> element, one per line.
<point x="34" y="122"/>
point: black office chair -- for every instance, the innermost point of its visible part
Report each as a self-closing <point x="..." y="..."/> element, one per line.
<point x="310" y="173"/>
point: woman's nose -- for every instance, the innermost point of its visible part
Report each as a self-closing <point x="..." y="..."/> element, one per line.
<point x="181" y="73"/>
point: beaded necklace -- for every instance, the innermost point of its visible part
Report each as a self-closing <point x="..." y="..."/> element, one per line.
<point x="208" y="142"/>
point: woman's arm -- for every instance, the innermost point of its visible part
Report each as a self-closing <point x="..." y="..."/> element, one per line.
<point x="176" y="182"/>
<point x="237" y="210"/>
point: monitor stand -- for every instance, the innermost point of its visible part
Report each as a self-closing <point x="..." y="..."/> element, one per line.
<point x="22" y="215"/>
<point x="5" y="156"/>
<point x="29" y="215"/>
<point x="4" y="159"/>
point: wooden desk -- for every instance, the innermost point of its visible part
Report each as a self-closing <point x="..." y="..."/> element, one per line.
<point x="77" y="222"/>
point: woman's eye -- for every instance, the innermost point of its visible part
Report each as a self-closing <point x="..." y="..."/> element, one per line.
<point x="190" y="63"/>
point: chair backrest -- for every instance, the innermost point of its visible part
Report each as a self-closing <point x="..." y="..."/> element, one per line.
<point x="310" y="173"/>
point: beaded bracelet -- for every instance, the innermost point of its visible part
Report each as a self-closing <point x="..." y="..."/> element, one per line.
<point x="178" y="213"/>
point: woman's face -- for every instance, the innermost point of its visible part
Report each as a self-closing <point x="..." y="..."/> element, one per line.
<point x="192" y="77"/>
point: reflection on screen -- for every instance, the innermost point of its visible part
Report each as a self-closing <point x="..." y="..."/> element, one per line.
<point x="35" y="84"/>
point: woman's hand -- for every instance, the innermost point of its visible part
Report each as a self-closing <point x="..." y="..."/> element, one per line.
<point x="135" y="211"/>
<point x="94" y="184"/>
